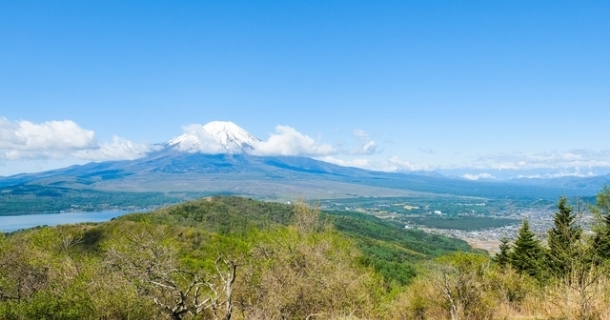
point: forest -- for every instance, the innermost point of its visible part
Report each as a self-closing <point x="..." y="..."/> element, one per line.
<point x="28" y="199"/>
<point x="227" y="258"/>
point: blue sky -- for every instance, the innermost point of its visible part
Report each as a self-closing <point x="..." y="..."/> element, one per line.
<point x="469" y="88"/>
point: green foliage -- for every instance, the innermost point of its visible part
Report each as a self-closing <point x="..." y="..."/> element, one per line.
<point x="220" y="214"/>
<point x="601" y="240"/>
<point x="503" y="257"/>
<point x="299" y="274"/>
<point x="603" y="201"/>
<point x="236" y="258"/>
<point x="467" y="213"/>
<point x="289" y="262"/>
<point x="27" y="199"/>
<point x="416" y="241"/>
<point x="527" y="255"/>
<point x="387" y="247"/>
<point x="391" y="262"/>
<point x="563" y="239"/>
<point x="463" y="222"/>
<point x="464" y="261"/>
<point x="464" y="285"/>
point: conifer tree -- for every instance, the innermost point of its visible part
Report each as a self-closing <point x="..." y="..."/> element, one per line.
<point x="502" y="258"/>
<point x="602" y="201"/>
<point x="601" y="240"/>
<point x="527" y="255"/>
<point x="563" y="240"/>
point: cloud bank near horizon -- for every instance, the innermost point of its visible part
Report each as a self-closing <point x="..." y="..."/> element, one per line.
<point x="65" y="139"/>
<point x="25" y="140"/>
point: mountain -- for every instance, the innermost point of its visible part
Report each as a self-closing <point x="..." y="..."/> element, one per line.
<point x="229" y="137"/>
<point x="216" y="158"/>
<point x="590" y="184"/>
<point x="271" y="177"/>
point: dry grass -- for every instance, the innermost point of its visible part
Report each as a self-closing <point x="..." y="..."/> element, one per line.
<point x="506" y="295"/>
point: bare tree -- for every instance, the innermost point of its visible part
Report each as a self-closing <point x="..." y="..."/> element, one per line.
<point x="20" y="279"/>
<point x="307" y="219"/>
<point x="150" y="261"/>
<point x="461" y="281"/>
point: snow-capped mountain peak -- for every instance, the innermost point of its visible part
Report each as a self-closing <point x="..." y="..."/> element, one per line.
<point x="214" y="137"/>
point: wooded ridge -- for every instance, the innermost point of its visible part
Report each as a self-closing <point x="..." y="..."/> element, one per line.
<point x="237" y="258"/>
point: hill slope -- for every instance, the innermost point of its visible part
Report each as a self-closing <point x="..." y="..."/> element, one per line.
<point x="75" y="267"/>
<point x="388" y="247"/>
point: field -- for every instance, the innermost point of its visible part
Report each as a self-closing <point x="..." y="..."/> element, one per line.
<point x="462" y="222"/>
<point x="435" y="204"/>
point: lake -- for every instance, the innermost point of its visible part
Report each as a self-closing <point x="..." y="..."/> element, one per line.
<point x="12" y="223"/>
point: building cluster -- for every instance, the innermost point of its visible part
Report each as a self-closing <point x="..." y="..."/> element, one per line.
<point x="540" y="222"/>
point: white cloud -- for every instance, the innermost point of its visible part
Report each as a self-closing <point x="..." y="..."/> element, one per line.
<point x="554" y="160"/>
<point x="478" y="176"/>
<point x="289" y="142"/>
<point x="575" y="172"/>
<point x="404" y="165"/>
<point x="118" y="149"/>
<point x="542" y="165"/>
<point x="51" y="139"/>
<point x="24" y="140"/>
<point x="356" y="163"/>
<point x="196" y="139"/>
<point x="392" y="164"/>
<point x="368" y="145"/>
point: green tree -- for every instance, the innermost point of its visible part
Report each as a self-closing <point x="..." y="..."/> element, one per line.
<point x="601" y="240"/>
<point x="22" y="274"/>
<point x="503" y="257"/>
<point x="527" y="255"/>
<point x="563" y="240"/>
<point x="603" y="200"/>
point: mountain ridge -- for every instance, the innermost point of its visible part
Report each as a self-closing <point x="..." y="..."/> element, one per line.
<point x="268" y="176"/>
<point x="217" y="157"/>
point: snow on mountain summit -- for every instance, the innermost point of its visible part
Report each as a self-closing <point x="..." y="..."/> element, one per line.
<point x="214" y="137"/>
<point x="230" y="135"/>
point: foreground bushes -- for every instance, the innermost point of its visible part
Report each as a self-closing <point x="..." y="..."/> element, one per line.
<point x="143" y="270"/>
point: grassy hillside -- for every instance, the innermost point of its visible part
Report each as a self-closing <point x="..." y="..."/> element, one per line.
<point x="45" y="269"/>
<point x="235" y="258"/>
<point x="389" y="248"/>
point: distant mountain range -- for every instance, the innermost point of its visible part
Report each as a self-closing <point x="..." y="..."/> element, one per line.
<point x="182" y="164"/>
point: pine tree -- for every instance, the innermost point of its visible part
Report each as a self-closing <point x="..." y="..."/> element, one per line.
<point x="601" y="240"/>
<point x="527" y="255"/>
<point x="602" y="201"/>
<point x="563" y="239"/>
<point x="502" y="258"/>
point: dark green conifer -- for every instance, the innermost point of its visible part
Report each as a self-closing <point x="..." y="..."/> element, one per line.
<point x="563" y="240"/>
<point x="602" y="201"/>
<point x="601" y="240"/>
<point x="502" y="258"/>
<point x="527" y="255"/>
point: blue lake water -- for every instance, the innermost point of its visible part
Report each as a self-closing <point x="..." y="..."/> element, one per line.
<point x="12" y="223"/>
